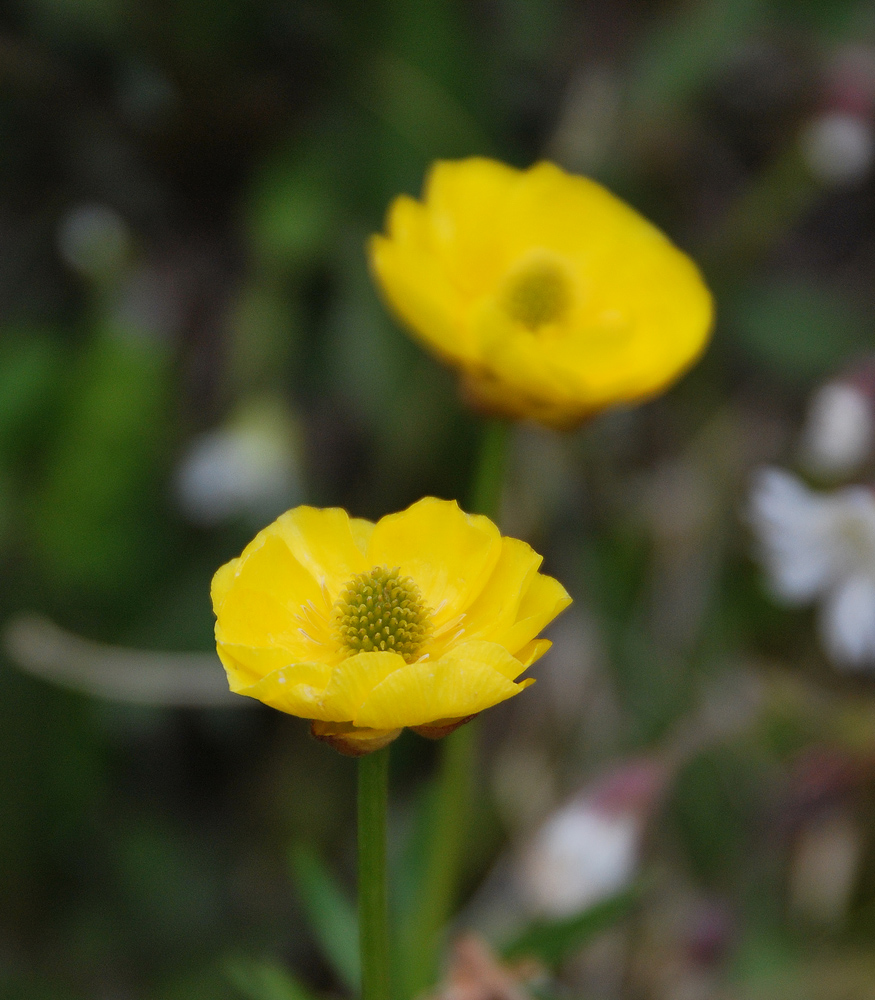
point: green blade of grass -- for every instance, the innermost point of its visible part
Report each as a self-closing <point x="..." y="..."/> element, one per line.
<point x="554" y="940"/>
<point x="331" y="914"/>
<point x="258" y="979"/>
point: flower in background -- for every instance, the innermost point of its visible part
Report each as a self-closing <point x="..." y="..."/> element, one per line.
<point x="821" y="546"/>
<point x="552" y="297"/>
<point x="839" y="430"/>
<point x="95" y="241"/>
<point x="589" y="849"/>
<point x="250" y="466"/>
<point x="838" y="144"/>
<point x="422" y="620"/>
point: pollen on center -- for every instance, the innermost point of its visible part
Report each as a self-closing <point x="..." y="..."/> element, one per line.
<point x="538" y="293"/>
<point x="382" y="611"/>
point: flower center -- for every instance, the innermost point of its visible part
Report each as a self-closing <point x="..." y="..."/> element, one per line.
<point x="382" y="610"/>
<point x="537" y="294"/>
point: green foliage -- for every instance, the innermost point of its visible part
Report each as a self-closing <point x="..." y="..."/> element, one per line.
<point x="264" y="980"/>
<point x="551" y="942"/>
<point x="332" y="917"/>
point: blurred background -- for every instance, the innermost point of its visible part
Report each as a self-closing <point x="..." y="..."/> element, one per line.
<point x="190" y="343"/>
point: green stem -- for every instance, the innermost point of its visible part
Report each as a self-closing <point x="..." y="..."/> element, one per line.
<point x="489" y="474"/>
<point x="452" y="793"/>
<point x="373" y="803"/>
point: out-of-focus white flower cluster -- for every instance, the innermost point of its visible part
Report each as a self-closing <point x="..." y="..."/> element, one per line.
<point x="838" y="143"/>
<point x="589" y="849"/>
<point x="249" y="467"/>
<point x="819" y="545"/>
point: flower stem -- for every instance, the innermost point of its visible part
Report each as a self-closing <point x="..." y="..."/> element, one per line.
<point x="373" y="802"/>
<point x="454" y="783"/>
<point x="489" y="474"/>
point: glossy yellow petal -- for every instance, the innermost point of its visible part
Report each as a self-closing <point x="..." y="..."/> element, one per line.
<point x="352" y="681"/>
<point x="246" y="665"/>
<point x="417" y="287"/>
<point x="296" y="689"/>
<point x="222" y="581"/>
<point x="272" y="599"/>
<point x="361" y="533"/>
<point x="490" y="654"/>
<point x="447" y="553"/>
<point x="422" y="692"/>
<point x="495" y="609"/>
<point x="325" y="543"/>
<point x="463" y="199"/>
<point x="532" y="651"/>
<point x="544" y="599"/>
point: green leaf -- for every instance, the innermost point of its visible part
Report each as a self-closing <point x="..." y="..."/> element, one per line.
<point x="264" y="980"/>
<point x="331" y="914"/>
<point x="798" y="332"/>
<point x="554" y="940"/>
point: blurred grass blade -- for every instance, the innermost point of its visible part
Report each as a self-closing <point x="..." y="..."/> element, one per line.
<point x="446" y="814"/>
<point x="420" y="110"/>
<point x="137" y="676"/>
<point x="264" y="980"/>
<point x="552" y="941"/>
<point x="331" y="914"/>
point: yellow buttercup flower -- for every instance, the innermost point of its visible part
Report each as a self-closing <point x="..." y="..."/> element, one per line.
<point x="553" y="297"/>
<point x="423" y="620"/>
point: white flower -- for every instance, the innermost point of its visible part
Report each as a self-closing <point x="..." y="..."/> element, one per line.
<point x="838" y="147"/>
<point x="590" y="848"/>
<point x="839" y="431"/>
<point x="821" y="546"/>
<point x="580" y="856"/>
<point x="248" y="467"/>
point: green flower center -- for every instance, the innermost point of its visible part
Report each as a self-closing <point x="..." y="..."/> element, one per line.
<point x="382" y="610"/>
<point x="537" y="294"/>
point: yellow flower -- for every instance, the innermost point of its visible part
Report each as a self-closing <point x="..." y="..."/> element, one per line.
<point x="554" y="298"/>
<point x="423" y="619"/>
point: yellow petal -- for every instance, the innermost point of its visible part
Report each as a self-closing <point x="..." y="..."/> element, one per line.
<point x="463" y="200"/>
<point x="418" y="289"/>
<point x="325" y="543"/>
<point x="246" y="665"/>
<point x="352" y="681"/>
<point x="361" y="533"/>
<point x="448" y="554"/>
<point x="274" y="600"/>
<point x="495" y="608"/>
<point x="532" y="651"/>
<point x="423" y="692"/>
<point x="490" y="654"/>
<point x="223" y="578"/>
<point x="296" y="689"/>
<point x="541" y="603"/>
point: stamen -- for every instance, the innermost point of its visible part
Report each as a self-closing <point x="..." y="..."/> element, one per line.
<point x="537" y="294"/>
<point x="382" y="611"/>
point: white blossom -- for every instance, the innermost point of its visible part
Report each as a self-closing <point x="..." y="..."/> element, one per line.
<point x="590" y="848"/>
<point x="839" y="431"/>
<point x="838" y="147"/>
<point x="248" y="467"/>
<point x="821" y="547"/>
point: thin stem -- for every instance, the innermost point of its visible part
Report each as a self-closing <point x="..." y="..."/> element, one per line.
<point x="452" y="792"/>
<point x="373" y="803"/>
<point x="489" y="473"/>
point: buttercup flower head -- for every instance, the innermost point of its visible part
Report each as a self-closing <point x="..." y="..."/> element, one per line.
<point x="423" y="620"/>
<point x="552" y="297"/>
